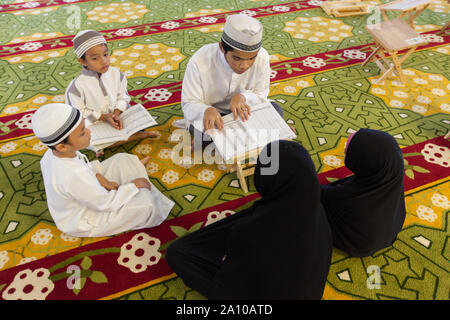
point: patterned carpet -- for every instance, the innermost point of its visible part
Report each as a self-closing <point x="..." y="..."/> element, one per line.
<point x="316" y="77"/>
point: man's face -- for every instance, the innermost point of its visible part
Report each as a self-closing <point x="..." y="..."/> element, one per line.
<point x="239" y="61"/>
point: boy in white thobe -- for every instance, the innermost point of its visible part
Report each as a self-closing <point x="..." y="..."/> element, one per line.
<point x="93" y="199"/>
<point x="227" y="77"/>
<point x="100" y="90"/>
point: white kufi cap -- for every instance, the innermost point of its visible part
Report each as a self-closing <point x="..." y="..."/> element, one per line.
<point x="54" y="122"/>
<point x="243" y="33"/>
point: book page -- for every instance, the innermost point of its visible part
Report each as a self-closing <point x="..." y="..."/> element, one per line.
<point x="263" y="126"/>
<point x="136" y="118"/>
<point x="104" y="133"/>
<point x="267" y="118"/>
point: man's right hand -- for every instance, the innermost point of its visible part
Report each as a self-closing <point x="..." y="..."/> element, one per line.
<point x="212" y="119"/>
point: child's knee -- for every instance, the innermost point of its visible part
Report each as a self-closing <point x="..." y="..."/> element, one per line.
<point x="124" y="156"/>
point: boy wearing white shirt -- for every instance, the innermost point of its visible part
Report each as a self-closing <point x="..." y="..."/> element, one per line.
<point x="227" y="77"/>
<point x="92" y="199"/>
<point x="100" y="90"/>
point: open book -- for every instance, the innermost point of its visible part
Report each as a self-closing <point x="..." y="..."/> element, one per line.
<point x="263" y="126"/>
<point x="134" y="118"/>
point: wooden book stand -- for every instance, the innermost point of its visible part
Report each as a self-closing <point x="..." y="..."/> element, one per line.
<point x="391" y="37"/>
<point x="344" y="8"/>
<point x="409" y="8"/>
<point x="244" y="166"/>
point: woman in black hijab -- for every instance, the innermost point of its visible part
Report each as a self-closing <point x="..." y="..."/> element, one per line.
<point x="366" y="211"/>
<point x="280" y="248"/>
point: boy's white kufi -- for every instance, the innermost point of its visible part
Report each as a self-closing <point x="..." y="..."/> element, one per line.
<point x="54" y="122"/>
<point x="243" y="33"/>
<point x="86" y="39"/>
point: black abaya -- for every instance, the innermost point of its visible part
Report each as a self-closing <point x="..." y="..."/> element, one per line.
<point x="280" y="248"/>
<point x="366" y="211"/>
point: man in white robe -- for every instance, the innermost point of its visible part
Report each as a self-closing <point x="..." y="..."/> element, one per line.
<point x="92" y="199"/>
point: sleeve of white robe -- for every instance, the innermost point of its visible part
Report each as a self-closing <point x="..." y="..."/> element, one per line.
<point x="122" y="95"/>
<point x="85" y="187"/>
<point x="75" y="98"/>
<point x="260" y="91"/>
<point x="192" y="95"/>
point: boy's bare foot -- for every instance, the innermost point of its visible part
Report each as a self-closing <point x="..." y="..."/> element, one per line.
<point x="145" y="160"/>
<point x="153" y="134"/>
<point x="145" y="134"/>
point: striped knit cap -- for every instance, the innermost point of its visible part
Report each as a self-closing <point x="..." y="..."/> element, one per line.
<point x="54" y="122"/>
<point x="86" y="39"/>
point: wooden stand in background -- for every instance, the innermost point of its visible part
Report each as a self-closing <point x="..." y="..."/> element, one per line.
<point x="411" y="8"/>
<point x="344" y="8"/>
<point x="391" y="37"/>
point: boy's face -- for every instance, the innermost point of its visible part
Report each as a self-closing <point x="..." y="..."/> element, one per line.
<point x="96" y="58"/>
<point x="239" y="61"/>
<point x="80" y="138"/>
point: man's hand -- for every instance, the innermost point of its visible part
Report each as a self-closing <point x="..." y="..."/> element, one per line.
<point x="212" y="119"/>
<point x="142" y="183"/>
<point x="239" y="107"/>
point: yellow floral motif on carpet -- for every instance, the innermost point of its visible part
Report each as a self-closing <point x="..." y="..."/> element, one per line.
<point x="41" y="241"/>
<point x="204" y="12"/>
<point x="290" y="87"/>
<point x="147" y="60"/>
<point x="439" y="6"/>
<point x="443" y="49"/>
<point x="426" y="27"/>
<point x="333" y="158"/>
<point x="117" y="12"/>
<point x="31" y="104"/>
<point x="318" y="29"/>
<point x="37" y="36"/>
<point x="214" y="27"/>
<point x="25" y="145"/>
<point x="34" y="12"/>
<point x="36" y="57"/>
<point x="423" y="93"/>
<point x="427" y="207"/>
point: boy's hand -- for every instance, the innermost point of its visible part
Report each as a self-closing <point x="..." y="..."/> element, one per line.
<point x="111" y="185"/>
<point x="238" y="105"/>
<point x="111" y="119"/>
<point x="105" y="183"/>
<point x="142" y="183"/>
<point x="212" y="119"/>
<point x="117" y="118"/>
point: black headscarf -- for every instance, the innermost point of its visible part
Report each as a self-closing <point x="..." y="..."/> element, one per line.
<point x="366" y="211"/>
<point x="283" y="249"/>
